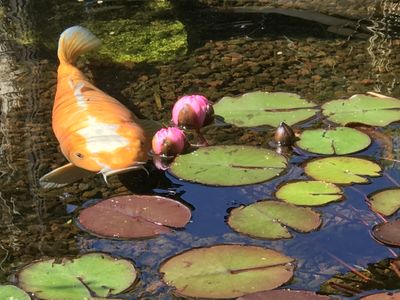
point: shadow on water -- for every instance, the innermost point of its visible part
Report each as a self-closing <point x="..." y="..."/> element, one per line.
<point x="229" y="52"/>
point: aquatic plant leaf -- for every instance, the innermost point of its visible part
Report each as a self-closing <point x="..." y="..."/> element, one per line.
<point x="284" y="295"/>
<point x="363" y="109"/>
<point x="268" y="219"/>
<point x="262" y="108"/>
<point x="309" y="192"/>
<point x="133" y="216"/>
<point x="93" y="275"/>
<point x="382" y="296"/>
<point x="342" y="169"/>
<point x="229" y="165"/>
<point x="11" y="292"/>
<point x="226" y="271"/>
<point x="340" y="140"/>
<point x="385" y="202"/>
<point x="388" y="233"/>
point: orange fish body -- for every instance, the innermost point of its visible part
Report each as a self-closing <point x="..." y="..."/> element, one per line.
<point x="95" y="131"/>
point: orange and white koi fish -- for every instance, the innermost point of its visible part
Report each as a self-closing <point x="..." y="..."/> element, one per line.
<point x="95" y="131"/>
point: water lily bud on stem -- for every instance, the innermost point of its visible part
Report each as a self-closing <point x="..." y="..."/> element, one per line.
<point x="192" y="112"/>
<point x="284" y="135"/>
<point x="169" y="141"/>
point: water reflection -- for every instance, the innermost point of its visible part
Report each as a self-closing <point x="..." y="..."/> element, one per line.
<point x="282" y="54"/>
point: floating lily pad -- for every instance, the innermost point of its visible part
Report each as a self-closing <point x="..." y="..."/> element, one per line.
<point x="134" y="216"/>
<point x="388" y="233"/>
<point x="90" y="276"/>
<point x="363" y="109"/>
<point x="310" y="193"/>
<point x="229" y="165"/>
<point x="262" y="108"/>
<point x="11" y="292"/>
<point x="226" y="271"/>
<point x="385" y="202"/>
<point x="284" y="295"/>
<point x="382" y="296"/>
<point x="268" y="219"/>
<point x="342" y="169"/>
<point x="340" y="140"/>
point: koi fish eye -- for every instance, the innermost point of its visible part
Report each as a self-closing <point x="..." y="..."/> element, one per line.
<point x="79" y="155"/>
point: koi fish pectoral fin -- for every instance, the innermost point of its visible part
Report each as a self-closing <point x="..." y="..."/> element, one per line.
<point x="137" y="166"/>
<point x="63" y="176"/>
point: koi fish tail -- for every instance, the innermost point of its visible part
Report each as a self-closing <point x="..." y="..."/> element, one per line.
<point x="74" y="42"/>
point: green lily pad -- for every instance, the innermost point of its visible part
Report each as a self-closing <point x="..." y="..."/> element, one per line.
<point x="11" y="292"/>
<point x="226" y="271"/>
<point x="385" y="202"/>
<point x="262" y="108"/>
<point x="229" y="165"/>
<point x="133" y="216"/>
<point x="363" y="109"/>
<point x="90" y="276"/>
<point x="340" y="140"/>
<point x="342" y="169"/>
<point x="268" y="219"/>
<point x="310" y="193"/>
<point x="388" y="233"/>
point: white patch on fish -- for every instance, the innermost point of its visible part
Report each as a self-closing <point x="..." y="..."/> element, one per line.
<point x="80" y="99"/>
<point x="102" y="137"/>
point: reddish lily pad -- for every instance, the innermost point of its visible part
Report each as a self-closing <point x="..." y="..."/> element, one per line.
<point x="226" y="271"/>
<point x="382" y="296"/>
<point x="284" y="295"/>
<point x="385" y="202"/>
<point x="133" y="216"/>
<point x="388" y="233"/>
<point x="268" y="219"/>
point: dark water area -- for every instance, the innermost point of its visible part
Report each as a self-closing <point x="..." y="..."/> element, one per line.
<point x="317" y="49"/>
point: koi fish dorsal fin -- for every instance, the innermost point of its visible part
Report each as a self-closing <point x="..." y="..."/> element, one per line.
<point x="74" y="42"/>
<point x="62" y="176"/>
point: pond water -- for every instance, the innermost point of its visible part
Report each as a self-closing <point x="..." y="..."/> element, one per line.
<point x="157" y="51"/>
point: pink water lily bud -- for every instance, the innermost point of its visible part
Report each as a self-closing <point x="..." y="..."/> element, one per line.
<point x="168" y="141"/>
<point x="192" y="111"/>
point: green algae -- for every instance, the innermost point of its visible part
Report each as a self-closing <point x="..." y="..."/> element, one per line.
<point x="147" y="33"/>
<point x="126" y="40"/>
